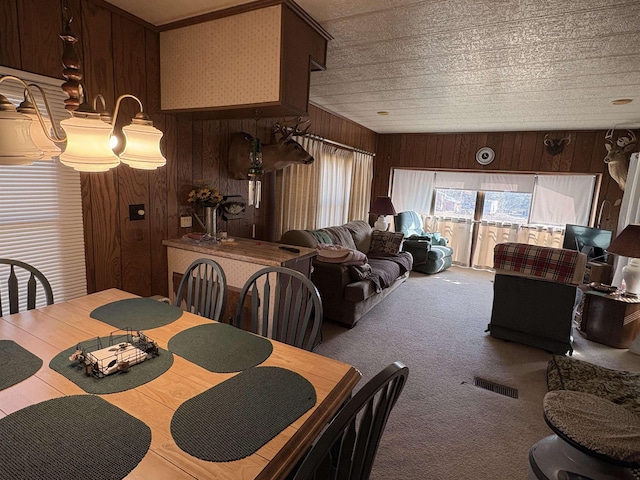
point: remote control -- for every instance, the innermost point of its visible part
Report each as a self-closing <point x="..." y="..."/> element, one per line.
<point x="290" y="249"/>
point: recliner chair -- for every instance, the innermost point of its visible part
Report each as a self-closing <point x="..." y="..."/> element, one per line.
<point x="430" y="251"/>
<point x="536" y="295"/>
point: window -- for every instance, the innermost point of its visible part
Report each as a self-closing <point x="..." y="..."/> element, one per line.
<point x="455" y="203"/>
<point x="41" y="208"/>
<point x="511" y="207"/>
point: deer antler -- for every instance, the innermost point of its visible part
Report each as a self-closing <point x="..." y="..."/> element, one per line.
<point x="288" y="128"/>
<point x="625" y="141"/>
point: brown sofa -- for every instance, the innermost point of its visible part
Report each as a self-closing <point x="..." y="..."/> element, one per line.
<point x="349" y="291"/>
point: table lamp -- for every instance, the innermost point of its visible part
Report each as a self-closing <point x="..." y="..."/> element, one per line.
<point x="382" y="207"/>
<point x="627" y="244"/>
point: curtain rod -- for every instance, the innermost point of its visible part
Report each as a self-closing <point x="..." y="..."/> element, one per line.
<point x="336" y="144"/>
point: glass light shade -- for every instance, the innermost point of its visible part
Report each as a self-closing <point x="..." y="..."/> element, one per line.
<point x="40" y="139"/>
<point x="88" y="147"/>
<point x="16" y="145"/>
<point x="142" y="147"/>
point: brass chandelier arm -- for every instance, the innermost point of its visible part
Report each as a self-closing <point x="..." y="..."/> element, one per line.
<point x="56" y="137"/>
<point x="140" y="115"/>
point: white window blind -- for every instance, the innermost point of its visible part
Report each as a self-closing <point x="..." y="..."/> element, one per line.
<point x="41" y="208"/>
<point x="412" y="190"/>
<point x="499" y="182"/>
<point x="562" y="199"/>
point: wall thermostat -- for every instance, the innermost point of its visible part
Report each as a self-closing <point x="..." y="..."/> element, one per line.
<point x="485" y="156"/>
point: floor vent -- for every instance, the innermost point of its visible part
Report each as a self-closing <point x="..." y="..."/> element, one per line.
<point x="495" y="387"/>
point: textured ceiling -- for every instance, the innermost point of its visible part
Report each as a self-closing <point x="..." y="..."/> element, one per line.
<point x="466" y="65"/>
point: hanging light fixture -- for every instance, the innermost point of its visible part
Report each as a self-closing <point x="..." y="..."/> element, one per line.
<point x="256" y="170"/>
<point x="38" y="126"/>
<point x="87" y="137"/>
<point x="16" y="146"/>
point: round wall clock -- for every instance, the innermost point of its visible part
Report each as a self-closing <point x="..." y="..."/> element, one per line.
<point x="485" y="156"/>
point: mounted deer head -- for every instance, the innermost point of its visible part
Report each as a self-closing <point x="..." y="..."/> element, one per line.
<point x="618" y="153"/>
<point x="274" y="157"/>
<point x="555" y="147"/>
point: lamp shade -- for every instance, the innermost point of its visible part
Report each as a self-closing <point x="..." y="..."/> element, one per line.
<point x="88" y="147"/>
<point x="16" y="145"/>
<point x="627" y="243"/>
<point x="39" y="137"/>
<point x="142" y="146"/>
<point x="382" y="206"/>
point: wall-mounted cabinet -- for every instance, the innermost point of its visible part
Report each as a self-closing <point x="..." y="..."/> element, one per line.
<point x="240" y="62"/>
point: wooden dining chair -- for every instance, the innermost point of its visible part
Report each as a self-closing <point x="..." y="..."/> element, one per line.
<point x="283" y="304"/>
<point x="348" y="446"/>
<point x="203" y="289"/>
<point x="13" y="286"/>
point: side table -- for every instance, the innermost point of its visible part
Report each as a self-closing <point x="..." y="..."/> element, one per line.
<point x="610" y="319"/>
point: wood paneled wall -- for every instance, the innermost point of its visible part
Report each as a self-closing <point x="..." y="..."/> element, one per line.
<point x="120" y="54"/>
<point x="515" y="151"/>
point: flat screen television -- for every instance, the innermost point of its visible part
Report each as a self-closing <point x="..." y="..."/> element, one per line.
<point x="591" y="241"/>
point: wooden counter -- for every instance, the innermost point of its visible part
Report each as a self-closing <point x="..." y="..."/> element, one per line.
<point x="239" y="258"/>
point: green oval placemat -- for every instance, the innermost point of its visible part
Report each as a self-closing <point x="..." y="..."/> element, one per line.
<point x="76" y="437"/>
<point x="137" y="375"/>
<point x="235" y="418"/>
<point x="16" y="363"/>
<point x="137" y="313"/>
<point x="221" y="348"/>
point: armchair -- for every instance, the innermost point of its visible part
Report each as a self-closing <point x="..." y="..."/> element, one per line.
<point x="536" y="295"/>
<point x="430" y="251"/>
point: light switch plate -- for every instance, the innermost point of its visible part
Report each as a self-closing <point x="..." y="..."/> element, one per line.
<point x="186" y="221"/>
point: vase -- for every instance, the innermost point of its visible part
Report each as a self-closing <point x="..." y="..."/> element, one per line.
<point x="210" y="221"/>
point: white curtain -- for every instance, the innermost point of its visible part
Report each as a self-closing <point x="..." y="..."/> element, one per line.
<point x="335" y="186"/>
<point x="489" y="235"/>
<point x="361" y="180"/>
<point x="458" y="231"/>
<point x="543" y="236"/>
<point x="412" y="190"/>
<point x="629" y="211"/>
<point x="298" y="187"/>
<point x="333" y="190"/>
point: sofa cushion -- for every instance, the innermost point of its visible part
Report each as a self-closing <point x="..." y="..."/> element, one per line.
<point x="341" y="236"/>
<point x="301" y="238"/>
<point x="386" y="242"/>
<point x="322" y="236"/>
<point x="438" y="251"/>
<point x="619" y="386"/>
<point x="361" y="233"/>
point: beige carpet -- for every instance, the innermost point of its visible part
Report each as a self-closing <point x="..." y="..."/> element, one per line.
<point x="443" y="427"/>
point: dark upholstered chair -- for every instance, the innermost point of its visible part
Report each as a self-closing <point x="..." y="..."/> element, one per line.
<point x="31" y="284"/>
<point x="284" y="306"/>
<point x="535" y="295"/>
<point x="430" y="251"/>
<point x="203" y="289"/>
<point x="347" y="448"/>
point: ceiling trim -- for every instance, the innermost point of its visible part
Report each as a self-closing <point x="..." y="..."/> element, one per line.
<point x="247" y="7"/>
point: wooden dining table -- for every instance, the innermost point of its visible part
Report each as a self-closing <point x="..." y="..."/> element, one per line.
<point x="47" y="331"/>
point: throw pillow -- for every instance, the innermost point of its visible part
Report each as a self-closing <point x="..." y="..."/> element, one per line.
<point x="386" y="242"/>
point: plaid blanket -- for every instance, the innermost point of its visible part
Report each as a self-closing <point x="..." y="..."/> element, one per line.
<point x="548" y="263"/>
